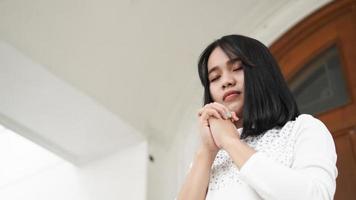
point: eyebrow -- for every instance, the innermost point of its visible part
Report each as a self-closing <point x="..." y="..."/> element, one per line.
<point x="229" y="62"/>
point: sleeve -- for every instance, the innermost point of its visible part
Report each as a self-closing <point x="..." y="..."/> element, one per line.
<point x="313" y="172"/>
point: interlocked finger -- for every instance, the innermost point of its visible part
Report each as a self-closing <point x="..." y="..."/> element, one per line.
<point x="209" y="112"/>
<point x="222" y="110"/>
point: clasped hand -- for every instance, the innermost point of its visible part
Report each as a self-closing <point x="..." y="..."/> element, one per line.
<point x="223" y="131"/>
<point x="221" y="127"/>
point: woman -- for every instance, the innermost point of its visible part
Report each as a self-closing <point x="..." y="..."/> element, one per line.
<point x="254" y="142"/>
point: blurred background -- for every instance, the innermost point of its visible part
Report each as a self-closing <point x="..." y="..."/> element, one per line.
<point x="98" y="99"/>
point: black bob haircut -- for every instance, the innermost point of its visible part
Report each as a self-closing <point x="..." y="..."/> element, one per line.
<point x="268" y="102"/>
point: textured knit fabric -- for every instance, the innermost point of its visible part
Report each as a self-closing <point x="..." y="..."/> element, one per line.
<point x="297" y="161"/>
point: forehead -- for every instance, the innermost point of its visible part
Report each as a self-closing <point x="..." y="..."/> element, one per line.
<point x="217" y="58"/>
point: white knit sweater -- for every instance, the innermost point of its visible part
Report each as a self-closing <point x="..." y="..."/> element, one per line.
<point x="295" y="162"/>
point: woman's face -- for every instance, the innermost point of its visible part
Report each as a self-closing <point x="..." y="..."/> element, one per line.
<point x="226" y="79"/>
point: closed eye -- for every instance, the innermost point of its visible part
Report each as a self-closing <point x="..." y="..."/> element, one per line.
<point x="236" y="64"/>
<point x="214" y="79"/>
<point x="236" y="69"/>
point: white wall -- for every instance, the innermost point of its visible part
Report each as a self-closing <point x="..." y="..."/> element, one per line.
<point x="167" y="172"/>
<point x="49" y="111"/>
<point x="161" y="176"/>
<point x="120" y="176"/>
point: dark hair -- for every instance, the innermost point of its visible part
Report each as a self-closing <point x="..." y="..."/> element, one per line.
<point x="268" y="102"/>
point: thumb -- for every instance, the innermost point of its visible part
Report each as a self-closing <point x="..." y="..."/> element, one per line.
<point x="234" y="116"/>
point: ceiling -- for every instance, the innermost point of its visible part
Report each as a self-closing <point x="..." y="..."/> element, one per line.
<point x="138" y="58"/>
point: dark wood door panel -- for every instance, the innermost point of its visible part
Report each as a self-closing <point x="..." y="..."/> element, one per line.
<point x="346" y="163"/>
<point x="334" y="24"/>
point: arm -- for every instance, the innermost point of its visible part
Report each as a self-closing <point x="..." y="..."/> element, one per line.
<point x="225" y="134"/>
<point x="197" y="179"/>
<point x="313" y="172"/>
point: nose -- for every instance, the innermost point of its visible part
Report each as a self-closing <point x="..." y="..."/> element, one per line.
<point x="228" y="80"/>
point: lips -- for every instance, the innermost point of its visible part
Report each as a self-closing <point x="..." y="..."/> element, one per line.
<point x="232" y="92"/>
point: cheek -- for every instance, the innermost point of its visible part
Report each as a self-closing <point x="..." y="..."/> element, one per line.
<point x="213" y="93"/>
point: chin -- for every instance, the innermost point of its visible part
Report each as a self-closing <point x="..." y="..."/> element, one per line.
<point x="234" y="106"/>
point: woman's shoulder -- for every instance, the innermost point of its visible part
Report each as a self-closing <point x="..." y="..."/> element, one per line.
<point x="305" y="117"/>
<point x="308" y="126"/>
<point x="308" y="121"/>
<point x="302" y="121"/>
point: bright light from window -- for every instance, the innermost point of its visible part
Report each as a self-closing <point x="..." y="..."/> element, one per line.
<point x="21" y="158"/>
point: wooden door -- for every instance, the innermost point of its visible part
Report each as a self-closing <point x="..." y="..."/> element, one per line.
<point x="318" y="59"/>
